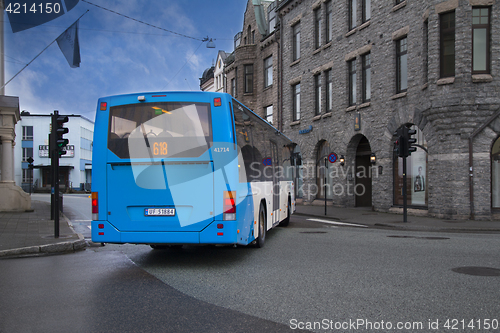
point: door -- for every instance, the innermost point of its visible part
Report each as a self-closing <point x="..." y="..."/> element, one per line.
<point x="363" y="175"/>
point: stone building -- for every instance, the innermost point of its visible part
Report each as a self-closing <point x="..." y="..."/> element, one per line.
<point x="12" y="197"/>
<point x="251" y="70"/>
<point x="353" y="72"/>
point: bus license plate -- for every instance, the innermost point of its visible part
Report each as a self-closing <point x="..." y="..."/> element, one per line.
<point x="159" y="212"/>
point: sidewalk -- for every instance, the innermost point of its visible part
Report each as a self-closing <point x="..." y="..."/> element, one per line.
<point x="366" y="216"/>
<point x="27" y="233"/>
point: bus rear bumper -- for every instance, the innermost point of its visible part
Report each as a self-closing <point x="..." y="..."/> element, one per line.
<point x="218" y="232"/>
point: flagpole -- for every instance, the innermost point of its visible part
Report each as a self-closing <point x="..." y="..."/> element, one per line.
<point x="1" y="69"/>
<point x="2" y="58"/>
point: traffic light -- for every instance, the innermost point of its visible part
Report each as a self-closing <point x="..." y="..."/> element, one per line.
<point x="408" y="141"/>
<point x="61" y="142"/>
<point x="399" y="142"/>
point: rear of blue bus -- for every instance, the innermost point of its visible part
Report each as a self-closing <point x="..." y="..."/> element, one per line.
<point x="165" y="170"/>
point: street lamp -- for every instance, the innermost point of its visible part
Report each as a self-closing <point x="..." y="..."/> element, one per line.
<point x="210" y="44"/>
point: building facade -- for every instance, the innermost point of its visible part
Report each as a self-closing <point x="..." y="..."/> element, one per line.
<point x="251" y="70"/>
<point x="354" y="72"/>
<point x="75" y="167"/>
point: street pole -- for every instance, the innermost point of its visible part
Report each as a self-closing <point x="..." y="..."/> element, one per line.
<point x="326" y="186"/>
<point x="405" y="203"/>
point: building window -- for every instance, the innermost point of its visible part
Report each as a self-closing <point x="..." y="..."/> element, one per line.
<point x="233" y="87"/>
<point x="27" y="153"/>
<point x="271" y="14"/>
<point x="296" y="101"/>
<point x="296" y="42"/>
<point x="366" y="77"/>
<point x="401" y="65"/>
<point x="426" y="51"/>
<point x="447" y="47"/>
<point x="28" y="133"/>
<point x="317" y="94"/>
<point x="248" y="79"/>
<point x="269" y="114"/>
<point x="268" y="72"/>
<point x="416" y="173"/>
<point x="317" y="28"/>
<point x="237" y="39"/>
<point x="481" y="30"/>
<point x="366" y="10"/>
<point x="329" y="22"/>
<point x="352" y="82"/>
<point x="253" y="37"/>
<point x="329" y="91"/>
<point x="352" y="14"/>
<point x="249" y="31"/>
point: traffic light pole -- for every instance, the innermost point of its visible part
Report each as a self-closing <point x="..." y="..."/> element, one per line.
<point x="405" y="199"/>
<point x="55" y="175"/>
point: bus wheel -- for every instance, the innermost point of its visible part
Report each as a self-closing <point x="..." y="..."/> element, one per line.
<point x="262" y="227"/>
<point x="286" y="221"/>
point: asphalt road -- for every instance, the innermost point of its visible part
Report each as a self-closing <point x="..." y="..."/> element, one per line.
<point x="307" y="275"/>
<point x="311" y="275"/>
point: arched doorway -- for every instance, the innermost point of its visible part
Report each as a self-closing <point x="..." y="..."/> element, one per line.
<point x="363" y="174"/>
<point x="323" y="179"/>
<point x="495" y="174"/>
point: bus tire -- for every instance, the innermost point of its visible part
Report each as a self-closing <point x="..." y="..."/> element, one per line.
<point x="286" y="221"/>
<point x="261" y="239"/>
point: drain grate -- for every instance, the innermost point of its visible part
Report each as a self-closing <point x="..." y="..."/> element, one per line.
<point x="477" y="271"/>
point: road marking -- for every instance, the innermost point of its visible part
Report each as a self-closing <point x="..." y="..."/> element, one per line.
<point x="89" y="227"/>
<point x="339" y="223"/>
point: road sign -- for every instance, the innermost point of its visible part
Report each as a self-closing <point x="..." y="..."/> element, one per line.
<point x="332" y="158"/>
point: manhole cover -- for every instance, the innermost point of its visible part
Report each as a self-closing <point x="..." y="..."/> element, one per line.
<point x="313" y="232"/>
<point x="477" y="271"/>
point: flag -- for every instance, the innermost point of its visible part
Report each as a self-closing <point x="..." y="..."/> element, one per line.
<point x="27" y="14"/>
<point x="68" y="43"/>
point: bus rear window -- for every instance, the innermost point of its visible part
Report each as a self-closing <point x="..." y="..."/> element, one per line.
<point x="160" y="130"/>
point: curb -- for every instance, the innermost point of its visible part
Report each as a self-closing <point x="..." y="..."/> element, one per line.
<point x="409" y="227"/>
<point x="62" y="247"/>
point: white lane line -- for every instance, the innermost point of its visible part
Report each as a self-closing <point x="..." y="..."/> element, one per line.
<point x="339" y="223"/>
<point x="89" y="227"/>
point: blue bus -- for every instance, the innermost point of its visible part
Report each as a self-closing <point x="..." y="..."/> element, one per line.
<point x="176" y="168"/>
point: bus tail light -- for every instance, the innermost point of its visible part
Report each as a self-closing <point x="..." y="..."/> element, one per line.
<point x="229" y="209"/>
<point x="95" y="207"/>
<point x="104" y="106"/>
<point x="217" y="101"/>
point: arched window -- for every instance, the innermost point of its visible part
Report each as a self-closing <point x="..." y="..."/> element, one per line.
<point x="416" y="174"/>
